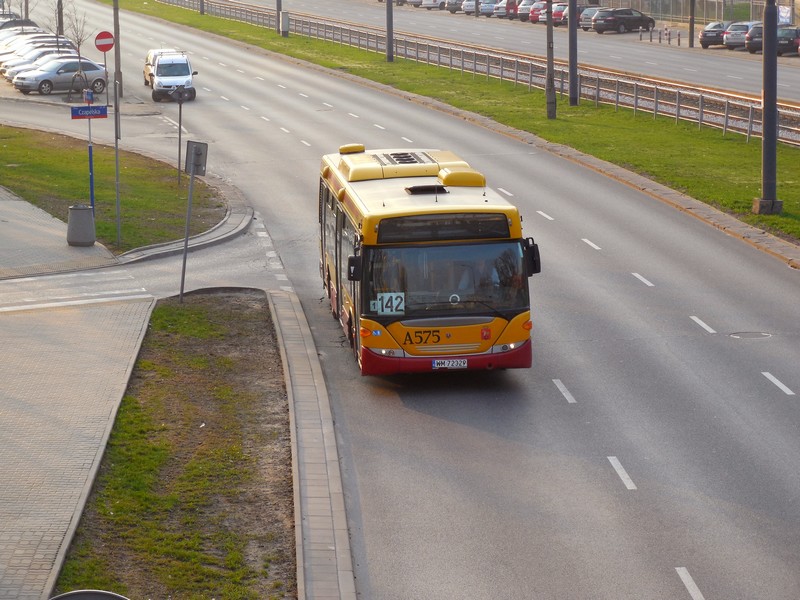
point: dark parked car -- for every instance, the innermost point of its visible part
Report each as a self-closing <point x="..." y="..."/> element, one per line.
<point x="18" y="23"/>
<point x="621" y="20"/>
<point x="788" y="40"/>
<point x="712" y="34"/>
<point x="754" y="39"/>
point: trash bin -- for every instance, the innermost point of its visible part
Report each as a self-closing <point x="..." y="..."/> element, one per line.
<point x="80" y="226"/>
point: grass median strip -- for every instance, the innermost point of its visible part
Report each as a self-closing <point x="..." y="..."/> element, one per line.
<point x="194" y="496"/>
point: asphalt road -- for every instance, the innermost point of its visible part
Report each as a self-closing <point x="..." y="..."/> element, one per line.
<point x="650" y="452"/>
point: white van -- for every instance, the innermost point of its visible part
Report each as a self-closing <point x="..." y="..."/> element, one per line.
<point x="171" y="70"/>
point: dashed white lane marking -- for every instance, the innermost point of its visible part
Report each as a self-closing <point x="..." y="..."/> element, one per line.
<point x="506" y="192"/>
<point x="564" y="391"/>
<point x="643" y="280"/>
<point x="545" y="215"/>
<point x="621" y="472"/>
<point x="691" y="586"/>
<point x="778" y="383"/>
<point x="702" y="324"/>
<point x="591" y="244"/>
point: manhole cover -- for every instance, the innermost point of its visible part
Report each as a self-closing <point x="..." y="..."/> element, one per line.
<point x="751" y="335"/>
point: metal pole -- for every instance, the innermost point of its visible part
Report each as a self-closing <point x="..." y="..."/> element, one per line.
<point x="91" y="168"/>
<point x="116" y="159"/>
<point x="574" y="93"/>
<point x="768" y="203"/>
<point x="389" y="31"/>
<point x="180" y="129"/>
<point x="117" y="49"/>
<point x="278" y="9"/>
<point x="188" y="219"/>
<point x="550" y="88"/>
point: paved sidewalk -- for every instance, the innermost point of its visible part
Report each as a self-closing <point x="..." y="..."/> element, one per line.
<point x="64" y="370"/>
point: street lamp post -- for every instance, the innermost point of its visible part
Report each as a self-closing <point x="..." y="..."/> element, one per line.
<point x="768" y="203"/>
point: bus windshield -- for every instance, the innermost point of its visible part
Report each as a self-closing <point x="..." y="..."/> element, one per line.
<point x="463" y="279"/>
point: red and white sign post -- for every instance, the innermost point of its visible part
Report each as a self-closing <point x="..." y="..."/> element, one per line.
<point x="104" y="41"/>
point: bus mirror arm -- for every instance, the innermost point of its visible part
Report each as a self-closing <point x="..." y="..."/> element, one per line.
<point x="354" y="268"/>
<point x="533" y="263"/>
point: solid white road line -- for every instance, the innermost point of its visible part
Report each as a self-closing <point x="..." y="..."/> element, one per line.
<point x="75" y="303"/>
<point x="777" y="382"/>
<point x="621" y="472"/>
<point x="691" y="586"/>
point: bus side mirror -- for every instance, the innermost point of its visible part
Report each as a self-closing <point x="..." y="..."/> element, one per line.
<point x="533" y="264"/>
<point x="354" y="268"/>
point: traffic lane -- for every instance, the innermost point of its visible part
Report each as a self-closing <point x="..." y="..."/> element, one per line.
<point x="483" y="152"/>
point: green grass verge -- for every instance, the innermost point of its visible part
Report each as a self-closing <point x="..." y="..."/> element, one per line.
<point x="723" y="171"/>
<point x="51" y="171"/>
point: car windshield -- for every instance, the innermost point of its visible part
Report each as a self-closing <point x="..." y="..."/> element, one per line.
<point x="415" y="281"/>
<point x="172" y="69"/>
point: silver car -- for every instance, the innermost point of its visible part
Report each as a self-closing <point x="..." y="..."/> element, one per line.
<point x="12" y="71"/>
<point x="61" y="75"/>
<point x="734" y="35"/>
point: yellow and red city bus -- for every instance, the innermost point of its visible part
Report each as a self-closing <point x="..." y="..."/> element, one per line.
<point x="425" y="267"/>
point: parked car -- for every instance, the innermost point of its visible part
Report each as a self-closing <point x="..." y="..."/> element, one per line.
<point x="565" y="16"/>
<point x="12" y="72"/>
<point x="487" y="7"/>
<point x="414" y="3"/>
<point x="431" y="4"/>
<point x="538" y="12"/>
<point x="453" y="6"/>
<point x="754" y="39"/>
<point x="558" y="12"/>
<point x="524" y="10"/>
<point x="621" y="20"/>
<point x="18" y="23"/>
<point x="150" y="62"/>
<point x="27" y="44"/>
<point x="734" y="35"/>
<point x="468" y="6"/>
<point x="711" y="35"/>
<point x="506" y="9"/>
<point x="61" y="75"/>
<point x="37" y="55"/>
<point x="172" y="70"/>
<point x="586" y="17"/>
<point x="788" y="40"/>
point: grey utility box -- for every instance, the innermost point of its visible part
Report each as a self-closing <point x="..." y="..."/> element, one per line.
<point x="80" y="226"/>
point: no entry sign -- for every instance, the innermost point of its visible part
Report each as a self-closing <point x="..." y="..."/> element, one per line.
<point x="104" y="41"/>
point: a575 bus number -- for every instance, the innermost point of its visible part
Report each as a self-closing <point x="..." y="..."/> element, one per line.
<point x="422" y="336"/>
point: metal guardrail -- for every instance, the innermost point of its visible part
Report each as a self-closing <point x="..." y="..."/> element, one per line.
<point x="728" y="112"/>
